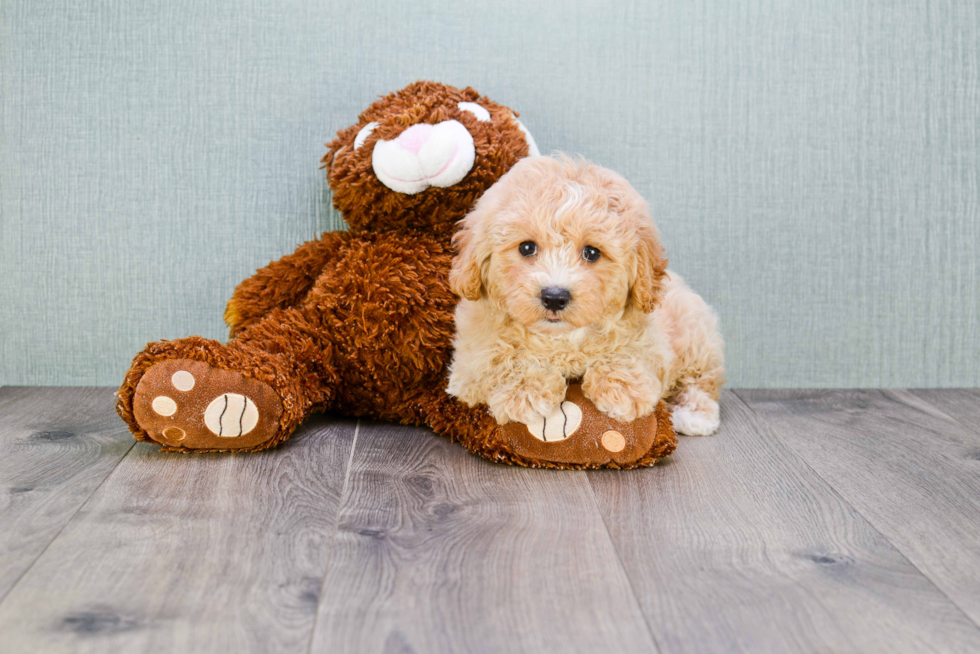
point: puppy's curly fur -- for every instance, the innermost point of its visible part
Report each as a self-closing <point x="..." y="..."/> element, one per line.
<point x="540" y="309"/>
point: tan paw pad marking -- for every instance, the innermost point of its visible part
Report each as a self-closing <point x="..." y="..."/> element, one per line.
<point x="174" y="434"/>
<point x="613" y="441"/>
<point x="182" y="380"/>
<point x="231" y="415"/>
<point x="164" y="405"/>
<point x="562" y="423"/>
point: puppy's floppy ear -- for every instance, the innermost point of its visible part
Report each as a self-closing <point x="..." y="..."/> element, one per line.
<point x="470" y="272"/>
<point x="465" y="279"/>
<point x="649" y="267"/>
<point x="647" y="279"/>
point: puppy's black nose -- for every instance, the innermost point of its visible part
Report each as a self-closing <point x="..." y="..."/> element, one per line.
<point x="554" y="298"/>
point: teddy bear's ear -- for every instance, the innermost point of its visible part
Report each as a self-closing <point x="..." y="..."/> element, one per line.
<point x="465" y="278"/>
<point x="647" y="279"/>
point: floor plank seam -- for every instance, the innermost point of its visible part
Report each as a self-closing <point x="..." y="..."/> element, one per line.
<point x="67" y="522"/>
<point x="868" y="520"/>
<point x="622" y="566"/>
<point x="333" y="534"/>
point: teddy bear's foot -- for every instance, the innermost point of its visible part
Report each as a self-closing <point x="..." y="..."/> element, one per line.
<point x="189" y="405"/>
<point x="577" y="435"/>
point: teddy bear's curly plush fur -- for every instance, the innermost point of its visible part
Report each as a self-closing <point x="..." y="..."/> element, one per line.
<point x="358" y="321"/>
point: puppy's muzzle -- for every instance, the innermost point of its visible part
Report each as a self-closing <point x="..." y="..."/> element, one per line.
<point x="555" y="298"/>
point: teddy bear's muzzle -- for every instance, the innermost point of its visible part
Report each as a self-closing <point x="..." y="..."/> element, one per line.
<point x="424" y="155"/>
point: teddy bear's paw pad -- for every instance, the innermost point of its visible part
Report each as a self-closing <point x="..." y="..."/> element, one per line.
<point x="558" y="425"/>
<point x="613" y="441"/>
<point x="190" y="404"/>
<point x="231" y="415"/>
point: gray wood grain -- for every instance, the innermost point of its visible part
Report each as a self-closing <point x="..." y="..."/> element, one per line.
<point x="910" y="469"/>
<point x="736" y="545"/>
<point x="439" y="551"/>
<point x="179" y="553"/>
<point x="961" y="404"/>
<point x="56" y="446"/>
<point x="815" y="521"/>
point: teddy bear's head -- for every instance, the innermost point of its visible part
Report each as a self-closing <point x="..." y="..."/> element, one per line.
<point x="420" y="158"/>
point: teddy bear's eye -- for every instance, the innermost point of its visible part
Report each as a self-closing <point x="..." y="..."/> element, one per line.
<point x="364" y="134"/>
<point x="481" y="114"/>
<point x="528" y="248"/>
<point x="590" y="254"/>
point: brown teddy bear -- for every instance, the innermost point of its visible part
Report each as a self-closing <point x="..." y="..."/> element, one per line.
<point x="361" y="321"/>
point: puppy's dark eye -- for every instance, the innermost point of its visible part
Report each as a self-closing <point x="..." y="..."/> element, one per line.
<point x="590" y="254"/>
<point x="528" y="248"/>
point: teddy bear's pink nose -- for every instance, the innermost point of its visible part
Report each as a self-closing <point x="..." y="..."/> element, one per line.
<point x="413" y="138"/>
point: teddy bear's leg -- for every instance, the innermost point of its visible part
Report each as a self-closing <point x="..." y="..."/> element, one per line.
<point x="196" y="394"/>
<point x="283" y="283"/>
<point x="472" y="427"/>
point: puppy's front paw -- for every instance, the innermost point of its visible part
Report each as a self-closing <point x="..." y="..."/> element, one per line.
<point x="623" y="397"/>
<point x="525" y="402"/>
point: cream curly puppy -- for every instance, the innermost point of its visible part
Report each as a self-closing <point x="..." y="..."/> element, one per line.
<point x="563" y="277"/>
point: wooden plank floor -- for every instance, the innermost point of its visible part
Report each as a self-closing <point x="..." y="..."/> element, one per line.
<point x="815" y="521"/>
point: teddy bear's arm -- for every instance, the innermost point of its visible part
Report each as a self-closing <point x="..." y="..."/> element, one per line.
<point x="282" y="283"/>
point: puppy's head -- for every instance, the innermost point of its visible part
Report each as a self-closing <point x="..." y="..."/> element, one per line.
<point x="560" y="244"/>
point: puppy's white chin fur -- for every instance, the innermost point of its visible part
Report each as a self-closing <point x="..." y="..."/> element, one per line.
<point x="546" y="327"/>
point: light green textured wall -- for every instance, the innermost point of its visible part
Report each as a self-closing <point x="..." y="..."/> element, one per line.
<point x="813" y="166"/>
